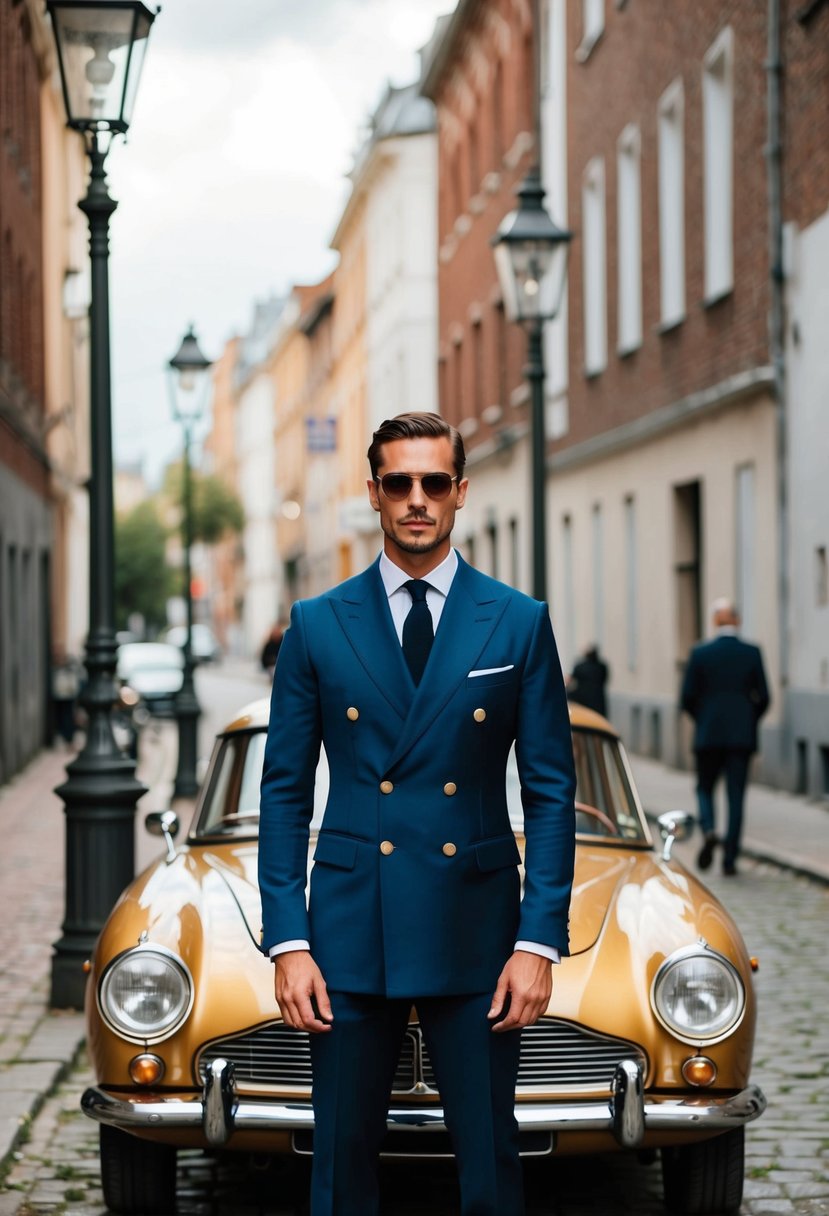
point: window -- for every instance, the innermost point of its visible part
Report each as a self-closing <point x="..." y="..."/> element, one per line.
<point x="821" y="577"/>
<point x="569" y="648"/>
<point x="592" y="27"/>
<point x="595" y="269"/>
<point x="631" y="584"/>
<point x="598" y="575"/>
<point x="672" y="205"/>
<point x="718" y="143"/>
<point x="629" y="240"/>
<point x="477" y="368"/>
<point x="515" y="575"/>
<point x="744" y="546"/>
<point x="492" y="538"/>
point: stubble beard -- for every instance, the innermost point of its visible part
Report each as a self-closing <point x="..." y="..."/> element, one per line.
<point x="416" y="545"/>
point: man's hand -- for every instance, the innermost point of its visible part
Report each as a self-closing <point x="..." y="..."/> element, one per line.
<point x="527" y="979"/>
<point x="301" y="992"/>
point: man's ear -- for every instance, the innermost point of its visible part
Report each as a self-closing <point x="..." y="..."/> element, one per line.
<point x="462" y="488"/>
<point x="373" y="496"/>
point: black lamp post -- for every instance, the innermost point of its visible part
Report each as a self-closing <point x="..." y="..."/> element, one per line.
<point x="188" y="382"/>
<point x="531" y="260"/>
<point x="100" y="49"/>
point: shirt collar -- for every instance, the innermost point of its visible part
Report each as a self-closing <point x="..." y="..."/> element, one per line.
<point x="440" y="579"/>
<point x="726" y="631"/>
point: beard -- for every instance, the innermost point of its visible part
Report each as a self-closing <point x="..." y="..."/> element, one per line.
<point x="415" y="544"/>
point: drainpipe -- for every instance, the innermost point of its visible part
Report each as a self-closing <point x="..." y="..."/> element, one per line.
<point x="777" y="339"/>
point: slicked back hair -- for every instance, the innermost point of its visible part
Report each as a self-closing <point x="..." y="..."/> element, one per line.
<point x="417" y="424"/>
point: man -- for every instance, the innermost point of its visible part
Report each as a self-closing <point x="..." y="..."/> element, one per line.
<point x="725" y="692"/>
<point x="588" y="681"/>
<point x="416" y="676"/>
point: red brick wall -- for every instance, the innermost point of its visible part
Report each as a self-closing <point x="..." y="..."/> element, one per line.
<point x="643" y="49"/>
<point x="806" y="108"/>
<point x="484" y="105"/>
<point x="21" y="269"/>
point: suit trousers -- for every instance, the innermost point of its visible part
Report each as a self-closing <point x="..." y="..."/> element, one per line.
<point x="712" y="763"/>
<point x="353" y="1068"/>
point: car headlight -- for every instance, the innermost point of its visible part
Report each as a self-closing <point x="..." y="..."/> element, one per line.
<point x="145" y="994"/>
<point x="698" y="995"/>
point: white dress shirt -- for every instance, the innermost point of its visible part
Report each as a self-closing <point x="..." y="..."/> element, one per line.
<point x="439" y="583"/>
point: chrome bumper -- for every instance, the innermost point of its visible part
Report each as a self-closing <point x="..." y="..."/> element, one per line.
<point x="627" y="1114"/>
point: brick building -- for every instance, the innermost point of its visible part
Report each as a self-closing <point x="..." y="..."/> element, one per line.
<point x="479" y="70"/>
<point x="677" y="475"/>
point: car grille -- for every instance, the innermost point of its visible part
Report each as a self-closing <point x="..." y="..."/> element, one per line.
<point x="555" y="1056"/>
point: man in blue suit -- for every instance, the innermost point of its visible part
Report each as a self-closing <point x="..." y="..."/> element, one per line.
<point x="725" y="692"/>
<point x="416" y="676"/>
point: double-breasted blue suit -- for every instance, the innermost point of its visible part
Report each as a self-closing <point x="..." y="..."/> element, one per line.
<point x="415" y="889"/>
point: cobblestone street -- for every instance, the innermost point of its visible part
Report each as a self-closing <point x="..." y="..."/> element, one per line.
<point x="783" y="919"/>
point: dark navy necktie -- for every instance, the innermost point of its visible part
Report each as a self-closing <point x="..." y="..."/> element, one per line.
<point x="418" y="633"/>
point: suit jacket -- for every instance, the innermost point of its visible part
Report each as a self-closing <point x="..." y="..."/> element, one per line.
<point x="725" y="692"/>
<point x="415" y="888"/>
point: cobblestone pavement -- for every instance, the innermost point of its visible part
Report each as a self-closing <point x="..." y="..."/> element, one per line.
<point x="783" y="919"/>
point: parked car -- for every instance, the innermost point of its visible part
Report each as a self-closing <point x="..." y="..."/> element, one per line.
<point x="203" y="644"/>
<point x="154" y="670"/>
<point x="646" y="1044"/>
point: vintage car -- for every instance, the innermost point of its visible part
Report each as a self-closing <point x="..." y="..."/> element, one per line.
<point x="646" y="1044"/>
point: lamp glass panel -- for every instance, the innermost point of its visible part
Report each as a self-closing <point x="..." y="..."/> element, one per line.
<point x="100" y="72"/>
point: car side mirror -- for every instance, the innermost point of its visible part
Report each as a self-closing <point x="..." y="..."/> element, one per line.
<point x="674" y="825"/>
<point x="166" y="824"/>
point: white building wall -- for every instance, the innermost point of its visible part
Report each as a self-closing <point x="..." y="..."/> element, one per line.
<point x="257" y="488"/>
<point x="401" y="278"/>
<point x="637" y="484"/>
<point x="807" y="363"/>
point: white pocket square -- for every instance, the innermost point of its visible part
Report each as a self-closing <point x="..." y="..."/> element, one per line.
<point x="490" y="671"/>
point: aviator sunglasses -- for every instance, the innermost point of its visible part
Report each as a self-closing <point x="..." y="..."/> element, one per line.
<point x="397" y="486"/>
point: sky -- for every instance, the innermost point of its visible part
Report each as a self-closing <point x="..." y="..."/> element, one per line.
<point x="233" y="176"/>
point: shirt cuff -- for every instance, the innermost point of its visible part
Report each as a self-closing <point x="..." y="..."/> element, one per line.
<point x="284" y="947"/>
<point x="550" y="952"/>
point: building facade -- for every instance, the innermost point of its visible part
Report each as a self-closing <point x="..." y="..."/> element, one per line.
<point x="479" y="70"/>
<point x="43" y="383"/>
<point x="685" y="465"/>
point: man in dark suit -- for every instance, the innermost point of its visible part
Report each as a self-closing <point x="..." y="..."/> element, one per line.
<point x="588" y="681"/>
<point x="417" y="676"/>
<point x="725" y="692"/>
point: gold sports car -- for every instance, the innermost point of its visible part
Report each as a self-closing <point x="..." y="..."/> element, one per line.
<point x="646" y="1044"/>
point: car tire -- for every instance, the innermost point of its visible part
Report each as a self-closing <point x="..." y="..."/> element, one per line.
<point x="707" y="1177"/>
<point x="138" y="1176"/>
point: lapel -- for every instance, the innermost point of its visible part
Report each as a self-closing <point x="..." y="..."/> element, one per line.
<point x="470" y="614"/>
<point x="362" y="610"/>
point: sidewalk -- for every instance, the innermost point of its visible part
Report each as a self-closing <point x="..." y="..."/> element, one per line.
<point x="782" y="828"/>
<point x="38" y="1046"/>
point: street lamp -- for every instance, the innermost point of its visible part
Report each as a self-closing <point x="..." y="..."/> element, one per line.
<point x="531" y="260"/>
<point x="100" y="48"/>
<point x="188" y="382"/>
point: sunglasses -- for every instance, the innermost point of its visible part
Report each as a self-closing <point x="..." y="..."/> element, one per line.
<point x="397" y="486"/>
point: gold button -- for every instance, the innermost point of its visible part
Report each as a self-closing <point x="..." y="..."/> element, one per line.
<point x="352" y="713"/>
<point x="386" y="787"/>
<point x="450" y="849"/>
<point x="450" y="788"/>
<point x="386" y="847"/>
<point x="479" y="715"/>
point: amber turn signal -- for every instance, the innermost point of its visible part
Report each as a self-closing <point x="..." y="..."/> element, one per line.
<point x="146" y="1069"/>
<point x="87" y="966"/>
<point x="699" y="1070"/>
<point x="754" y="962"/>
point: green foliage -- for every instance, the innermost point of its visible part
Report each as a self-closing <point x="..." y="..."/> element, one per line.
<point x="216" y="508"/>
<point x="143" y="581"/>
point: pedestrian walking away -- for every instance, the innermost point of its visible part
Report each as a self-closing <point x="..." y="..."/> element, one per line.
<point x="417" y="676"/>
<point x="588" y="682"/>
<point x="724" y="690"/>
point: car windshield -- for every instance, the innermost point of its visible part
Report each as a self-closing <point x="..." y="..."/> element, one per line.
<point x="606" y="805"/>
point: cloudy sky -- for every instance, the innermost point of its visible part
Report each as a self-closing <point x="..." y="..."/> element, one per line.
<point x="233" y="176"/>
